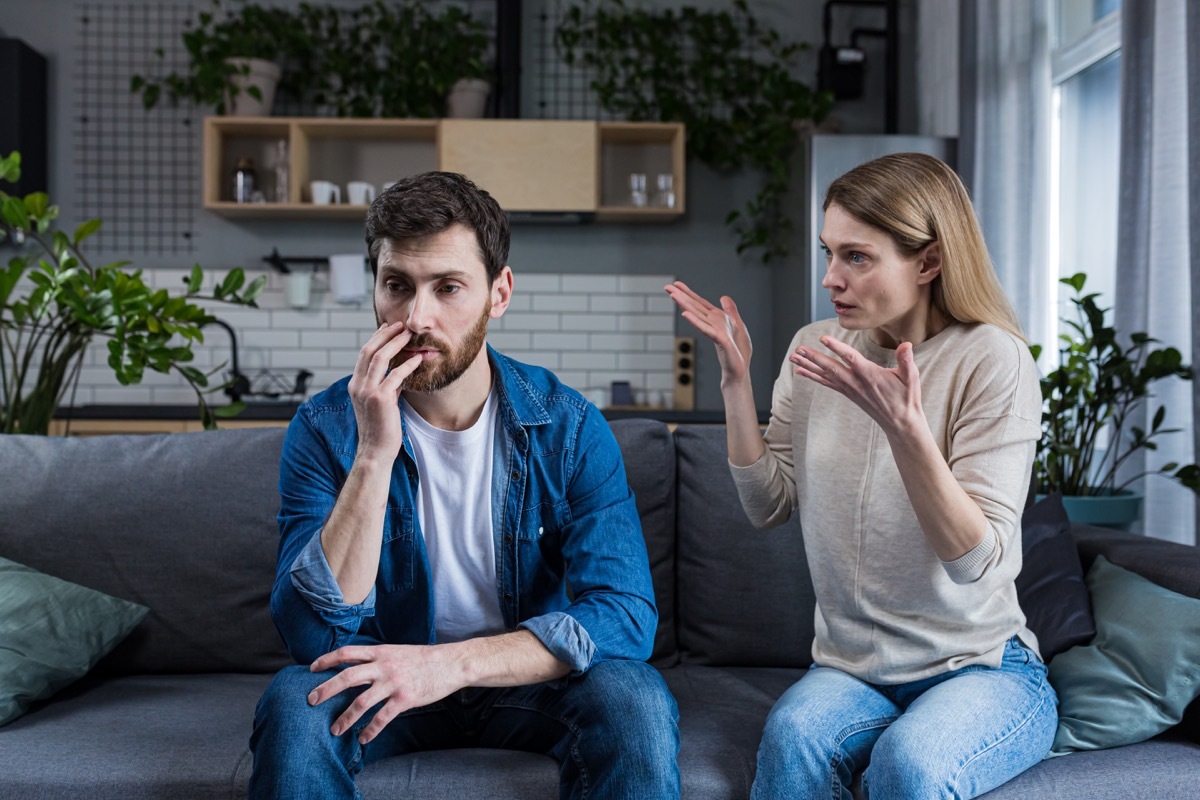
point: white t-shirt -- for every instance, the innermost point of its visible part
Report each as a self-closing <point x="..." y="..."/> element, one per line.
<point x="454" y="507"/>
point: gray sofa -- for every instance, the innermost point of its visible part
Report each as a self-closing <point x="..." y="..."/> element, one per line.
<point x="184" y="524"/>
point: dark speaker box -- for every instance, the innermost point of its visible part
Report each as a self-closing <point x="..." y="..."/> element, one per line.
<point x="23" y="114"/>
<point x="685" y="374"/>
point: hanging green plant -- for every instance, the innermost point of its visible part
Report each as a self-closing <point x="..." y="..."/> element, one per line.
<point x="724" y="74"/>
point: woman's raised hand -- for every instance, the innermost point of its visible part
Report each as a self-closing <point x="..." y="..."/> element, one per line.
<point x="723" y="326"/>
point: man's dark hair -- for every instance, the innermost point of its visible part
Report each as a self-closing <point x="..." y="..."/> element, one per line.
<point x="428" y="203"/>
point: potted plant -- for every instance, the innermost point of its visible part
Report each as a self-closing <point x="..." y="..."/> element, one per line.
<point x="728" y="77"/>
<point x="234" y="60"/>
<point x="387" y="59"/>
<point x="54" y="304"/>
<point x="1096" y="388"/>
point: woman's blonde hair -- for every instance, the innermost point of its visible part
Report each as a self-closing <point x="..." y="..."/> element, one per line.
<point x="917" y="199"/>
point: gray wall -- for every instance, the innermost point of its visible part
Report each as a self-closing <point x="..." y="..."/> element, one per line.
<point x="699" y="249"/>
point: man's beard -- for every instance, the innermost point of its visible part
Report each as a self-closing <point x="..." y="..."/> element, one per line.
<point x="432" y="376"/>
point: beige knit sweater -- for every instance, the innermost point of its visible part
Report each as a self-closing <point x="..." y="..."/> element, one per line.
<point x="888" y="610"/>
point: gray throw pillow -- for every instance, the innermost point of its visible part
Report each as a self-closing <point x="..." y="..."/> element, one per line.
<point x="1051" y="586"/>
<point x="51" y="633"/>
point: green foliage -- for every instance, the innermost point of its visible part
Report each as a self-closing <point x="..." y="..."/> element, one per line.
<point x="375" y="60"/>
<point x="1100" y="383"/>
<point x="251" y="31"/>
<point x="48" y="320"/>
<point x="725" y="75"/>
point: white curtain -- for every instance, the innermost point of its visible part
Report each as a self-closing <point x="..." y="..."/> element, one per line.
<point x="1004" y="144"/>
<point x="1155" y="225"/>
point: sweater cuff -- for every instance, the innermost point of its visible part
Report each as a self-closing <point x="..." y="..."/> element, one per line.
<point x="970" y="566"/>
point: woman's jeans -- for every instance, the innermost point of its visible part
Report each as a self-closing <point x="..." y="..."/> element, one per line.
<point x="955" y="735"/>
<point x="613" y="730"/>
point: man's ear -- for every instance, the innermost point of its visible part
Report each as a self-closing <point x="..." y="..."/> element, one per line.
<point x="931" y="263"/>
<point x="502" y="289"/>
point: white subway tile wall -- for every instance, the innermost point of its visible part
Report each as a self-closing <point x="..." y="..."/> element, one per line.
<point x="590" y="329"/>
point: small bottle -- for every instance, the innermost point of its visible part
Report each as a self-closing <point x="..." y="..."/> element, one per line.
<point x="244" y="180"/>
<point x="281" y="171"/>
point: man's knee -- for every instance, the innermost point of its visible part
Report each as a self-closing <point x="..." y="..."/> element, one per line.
<point x="284" y="705"/>
<point x="630" y="707"/>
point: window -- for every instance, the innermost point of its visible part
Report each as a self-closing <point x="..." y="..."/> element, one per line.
<point x="1085" y="165"/>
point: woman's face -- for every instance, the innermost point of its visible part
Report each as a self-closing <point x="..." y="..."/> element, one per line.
<point x="872" y="286"/>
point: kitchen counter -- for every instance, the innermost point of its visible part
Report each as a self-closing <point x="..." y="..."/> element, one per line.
<point x="283" y="411"/>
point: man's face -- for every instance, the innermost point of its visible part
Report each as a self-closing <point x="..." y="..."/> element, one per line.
<point x="438" y="287"/>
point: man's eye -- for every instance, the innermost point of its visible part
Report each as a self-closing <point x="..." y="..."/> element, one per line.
<point x="450" y="289"/>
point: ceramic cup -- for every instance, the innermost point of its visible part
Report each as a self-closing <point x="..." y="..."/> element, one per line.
<point x="325" y="192"/>
<point x="360" y="193"/>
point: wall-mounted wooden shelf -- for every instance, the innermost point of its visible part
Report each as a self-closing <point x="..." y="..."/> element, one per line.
<point x="530" y="166"/>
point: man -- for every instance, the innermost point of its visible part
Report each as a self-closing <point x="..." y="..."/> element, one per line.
<point x="461" y="562"/>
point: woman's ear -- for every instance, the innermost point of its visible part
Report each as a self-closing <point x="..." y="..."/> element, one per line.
<point x="931" y="263"/>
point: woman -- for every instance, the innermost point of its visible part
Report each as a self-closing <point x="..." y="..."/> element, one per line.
<point x="903" y="433"/>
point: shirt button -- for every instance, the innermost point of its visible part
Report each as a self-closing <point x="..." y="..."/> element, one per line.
<point x="508" y="538"/>
<point x="508" y="595"/>
<point x="516" y="476"/>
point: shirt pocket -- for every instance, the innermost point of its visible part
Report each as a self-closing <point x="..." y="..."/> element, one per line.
<point x="397" y="556"/>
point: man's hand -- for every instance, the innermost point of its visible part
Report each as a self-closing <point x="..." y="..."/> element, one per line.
<point x="375" y="392"/>
<point x="399" y="676"/>
<point x="410" y="676"/>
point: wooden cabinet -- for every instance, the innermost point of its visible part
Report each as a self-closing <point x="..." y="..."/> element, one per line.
<point x="530" y="166"/>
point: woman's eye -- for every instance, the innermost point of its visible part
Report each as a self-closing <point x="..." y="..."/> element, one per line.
<point x="857" y="258"/>
<point x="828" y="253"/>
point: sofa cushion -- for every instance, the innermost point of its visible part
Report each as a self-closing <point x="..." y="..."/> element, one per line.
<point x="1050" y="587"/>
<point x="51" y="633"/>
<point x="649" y="454"/>
<point x="181" y="523"/>
<point x="745" y="597"/>
<point x="140" y="736"/>
<point x="1141" y="671"/>
<point x="1157" y="768"/>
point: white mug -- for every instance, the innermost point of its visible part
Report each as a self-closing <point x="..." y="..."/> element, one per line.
<point x="360" y="192"/>
<point x="325" y="192"/>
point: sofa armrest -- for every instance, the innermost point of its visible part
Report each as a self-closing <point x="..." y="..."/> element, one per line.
<point x="1168" y="564"/>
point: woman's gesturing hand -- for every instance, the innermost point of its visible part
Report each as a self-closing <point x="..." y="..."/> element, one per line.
<point x="891" y="397"/>
<point x="723" y="326"/>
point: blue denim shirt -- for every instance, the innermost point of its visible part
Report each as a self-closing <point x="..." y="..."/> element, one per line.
<point x="571" y="563"/>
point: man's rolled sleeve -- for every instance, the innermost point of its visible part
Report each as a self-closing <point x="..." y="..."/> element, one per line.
<point x="565" y="638"/>
<point x="313" y="580"/>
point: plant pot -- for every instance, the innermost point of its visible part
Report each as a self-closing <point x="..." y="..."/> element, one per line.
<point x="467" y="98"/>
<point x="1118" y="510"/>
<point x="264" y="75"/>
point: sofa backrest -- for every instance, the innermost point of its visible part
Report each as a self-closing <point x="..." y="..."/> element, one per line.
<point x="744" y="596"/>
<point x="182" y="523"/>
<point x="185" y="525"/>
<point x="648" y="450"/>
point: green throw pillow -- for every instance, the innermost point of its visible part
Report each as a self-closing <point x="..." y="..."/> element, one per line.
<point x="51" y="633"/>
<point x="1136" y="678"/>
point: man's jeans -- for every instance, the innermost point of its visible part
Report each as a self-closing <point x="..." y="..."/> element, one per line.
<point x="955" y="735"/>
<point x="614" y="731"/>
